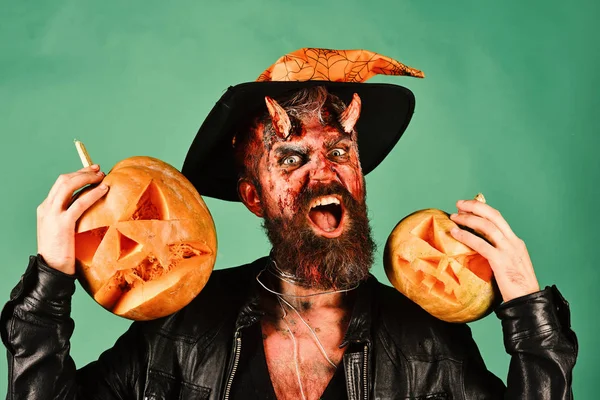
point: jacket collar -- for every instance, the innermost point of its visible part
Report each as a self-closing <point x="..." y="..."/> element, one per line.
<point x="360" y="320"/>
<point x="250" y="311"/>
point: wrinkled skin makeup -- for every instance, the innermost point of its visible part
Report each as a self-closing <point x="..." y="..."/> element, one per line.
<point x="311" y="192"/>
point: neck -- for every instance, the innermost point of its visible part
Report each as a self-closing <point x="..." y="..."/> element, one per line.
<point x="302" y="297"/>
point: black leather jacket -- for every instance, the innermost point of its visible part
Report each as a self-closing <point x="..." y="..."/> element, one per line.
<point x="395" y="349"/>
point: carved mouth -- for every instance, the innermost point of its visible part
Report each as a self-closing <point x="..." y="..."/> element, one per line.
<point x="327" y="215"/>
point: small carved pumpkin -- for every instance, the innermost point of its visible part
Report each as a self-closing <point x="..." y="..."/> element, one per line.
<point x="442" y="275"/>
<point x="148" y="247"/>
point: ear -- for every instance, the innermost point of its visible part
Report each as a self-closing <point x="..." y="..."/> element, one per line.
<point x="249" y="196"/>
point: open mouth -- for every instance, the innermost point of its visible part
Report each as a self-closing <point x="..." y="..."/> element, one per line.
<point x="326" y="214"/>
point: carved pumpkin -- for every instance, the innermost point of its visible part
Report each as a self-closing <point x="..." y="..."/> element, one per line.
<point x="148" y="247"/>
<point x="445" y="277"/>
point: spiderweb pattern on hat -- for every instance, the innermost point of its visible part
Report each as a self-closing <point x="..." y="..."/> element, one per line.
<point x="315" y="64"/>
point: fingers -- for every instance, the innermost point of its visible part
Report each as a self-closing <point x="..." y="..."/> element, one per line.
<point x="60" y="194"/>
<point x="55" y="187"/>
<point x="85" y="201"/>
<point x="485" y="211"/>
<point x="481" y="225"/>
<point x="56" y="220"/>
<point x="476" y="243"/>
<point x="506" y="253"/>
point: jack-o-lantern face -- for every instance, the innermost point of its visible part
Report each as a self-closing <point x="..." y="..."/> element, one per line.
<point x="148" y="247"/>
<point x="445" y="277"/>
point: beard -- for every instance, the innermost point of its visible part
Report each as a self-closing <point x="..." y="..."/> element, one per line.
<point x="318" y="262"/>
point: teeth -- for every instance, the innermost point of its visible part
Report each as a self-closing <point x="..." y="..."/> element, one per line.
<point x="323" y="201"/>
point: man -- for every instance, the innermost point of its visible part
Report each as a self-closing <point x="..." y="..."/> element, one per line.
<point x="308" y="321"/>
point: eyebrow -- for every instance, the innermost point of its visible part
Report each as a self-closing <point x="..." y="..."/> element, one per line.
<point x="333" y="142"/>
<point x="290" y="148"/>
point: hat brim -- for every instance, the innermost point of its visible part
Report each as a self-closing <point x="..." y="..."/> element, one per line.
<point x="210" y="166"/>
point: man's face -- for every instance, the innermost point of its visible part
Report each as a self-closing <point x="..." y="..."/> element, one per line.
<point x="313" y="202"/>
<point x="318" y="158"/>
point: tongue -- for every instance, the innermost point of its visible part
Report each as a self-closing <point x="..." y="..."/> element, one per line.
<point x="324" y="220"/>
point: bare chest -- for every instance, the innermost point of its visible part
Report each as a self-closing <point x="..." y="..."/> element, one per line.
<point x="302" y="360"/>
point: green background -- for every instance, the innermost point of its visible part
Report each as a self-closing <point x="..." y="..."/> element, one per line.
<point x="509" y="107"/>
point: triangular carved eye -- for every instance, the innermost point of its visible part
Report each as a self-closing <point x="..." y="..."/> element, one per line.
<point x="478" y="265"/>
<point x="151" y="205"/>
<point x="127" y="246"/>
<point x="426" y="231"/>
<point x="87" y="243"/>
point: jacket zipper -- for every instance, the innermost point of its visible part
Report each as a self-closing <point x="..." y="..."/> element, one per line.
<point x="365" y="367"/>
<point x="236" y="360"/>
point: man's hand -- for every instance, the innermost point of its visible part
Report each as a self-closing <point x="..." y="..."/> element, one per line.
<point x="58" y="213"/>
<point x="506" y="253"/>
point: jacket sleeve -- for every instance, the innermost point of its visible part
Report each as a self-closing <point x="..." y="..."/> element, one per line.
<point x="543" y="349"/>
<point x="36" y="327"/>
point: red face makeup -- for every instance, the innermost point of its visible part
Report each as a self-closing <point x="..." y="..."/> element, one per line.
<point x="307" y="184"/>
<point x="318" y="157"/>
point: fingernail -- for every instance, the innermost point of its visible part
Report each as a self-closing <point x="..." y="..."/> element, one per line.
<point x="103" y="186"/>
<point x="453" y="215"/>
<point x="460" y="202"/>
<point x="94" y="167"/>
<point x="100" y="173"/>
<point x="454" y="231"/>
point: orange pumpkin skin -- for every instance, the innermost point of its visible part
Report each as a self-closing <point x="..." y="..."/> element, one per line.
<point x="446" y="278"/>
<point x="148" y="247"/>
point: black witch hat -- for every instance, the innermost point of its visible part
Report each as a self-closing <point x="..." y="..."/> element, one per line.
<point x="385" y="114"/>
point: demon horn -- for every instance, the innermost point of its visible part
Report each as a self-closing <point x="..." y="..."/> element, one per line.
<point x="350" y="115"/>
<point x="281" y="121"/>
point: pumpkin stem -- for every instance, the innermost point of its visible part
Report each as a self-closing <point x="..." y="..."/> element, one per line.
<point x="480" y="198"/>
<point x="83" y="154"/>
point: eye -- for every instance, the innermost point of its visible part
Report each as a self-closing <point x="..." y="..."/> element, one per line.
<point x="291" y="160"/>
<point x="337" y="153"/>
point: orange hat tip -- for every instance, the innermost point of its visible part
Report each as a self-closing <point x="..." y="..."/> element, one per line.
<point x="308" y="64"/>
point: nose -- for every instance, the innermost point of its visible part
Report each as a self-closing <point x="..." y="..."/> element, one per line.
<point x="323" y="170"/>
